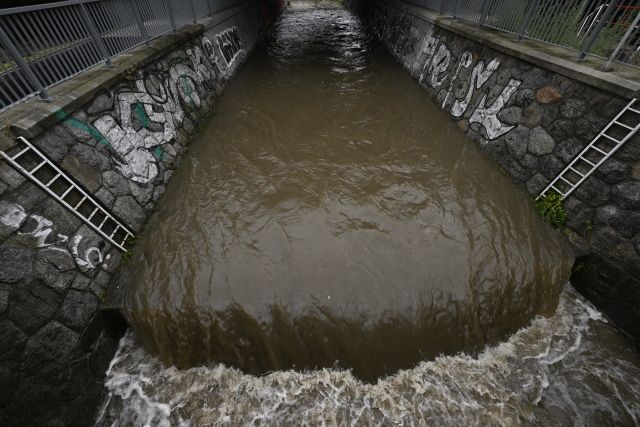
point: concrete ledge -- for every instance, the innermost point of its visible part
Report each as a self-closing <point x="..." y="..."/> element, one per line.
<point x="34" y="116"/>
<point x="623" y="80"/>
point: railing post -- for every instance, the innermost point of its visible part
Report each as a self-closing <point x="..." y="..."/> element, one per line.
<point x="169" y="10"/>
<point x="138" y="16"/>
<point x="533" y="5"/>
<point x="622" y="41"/>
<point x="193" y="11"/>
<point x="455" y="8"/>
<point x="483" y="11"/>
<point x="88" y="21"/>
<point x="24" y="67"/>
<point x="210" y="8"/>
<point x="588" y="44"/>
<point x="444" y="5"/>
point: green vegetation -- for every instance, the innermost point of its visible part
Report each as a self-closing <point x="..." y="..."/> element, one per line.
<point x="559" y="25"/>
<point x="126" y="256"/>
<point x="550" y="208"/>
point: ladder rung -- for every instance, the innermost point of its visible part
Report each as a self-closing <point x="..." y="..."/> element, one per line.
<point x="634" y="110"/>
<point x="560" y="192"/>
<point x="597" y="149"/>
<point x="566" y="180"/>
<point x="79" y="203"/>
<point x="52" y="180"/>
<point x="106" y="217"/>
<point x="114" y="232"/>
<point x="624" y="125"/>
<point x="611" y="138"/>
<point x="67" y="191"/>
<point x="21" y="152"/>
<point x="587" y="161"/>
<point x="92" y="214"/>
<point x="32" y="171"/>
<point x="576" y="171"/>
<point x="125" y="239"/>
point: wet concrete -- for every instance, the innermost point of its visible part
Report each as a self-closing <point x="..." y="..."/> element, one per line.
<point x="331" y="215"/>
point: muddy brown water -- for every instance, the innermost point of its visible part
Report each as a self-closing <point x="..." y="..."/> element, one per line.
<point x="330" y="214"/>
<point x="331" y="226"/>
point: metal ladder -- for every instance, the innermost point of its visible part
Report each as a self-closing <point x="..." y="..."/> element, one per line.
<point x="596" y="153"/>
<point x="30" y="162"/>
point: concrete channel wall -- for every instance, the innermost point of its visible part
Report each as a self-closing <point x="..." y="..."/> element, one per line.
<point x="119" y="132"/>
<point x="532" y="109"/>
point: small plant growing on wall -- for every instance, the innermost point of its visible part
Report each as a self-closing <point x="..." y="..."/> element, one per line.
<point x="550" y="208"/>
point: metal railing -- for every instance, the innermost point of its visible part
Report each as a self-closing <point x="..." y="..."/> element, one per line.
<point x="608" y="30"/>
<point x="45" y="44"/>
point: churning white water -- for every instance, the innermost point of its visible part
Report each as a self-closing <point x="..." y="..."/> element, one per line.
<point x="569" y="369"/>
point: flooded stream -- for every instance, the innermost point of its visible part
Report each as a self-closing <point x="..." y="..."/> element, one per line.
<point x="332" y="224"/>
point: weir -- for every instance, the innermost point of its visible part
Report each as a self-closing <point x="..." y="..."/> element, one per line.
<point x="295" y="229"/>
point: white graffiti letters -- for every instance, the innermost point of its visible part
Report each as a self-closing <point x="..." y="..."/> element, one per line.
<point x="41" y="230"/>
<point x="479" y="76"/>
<point x="146" y="116"/>
<point x="487" y="116"/>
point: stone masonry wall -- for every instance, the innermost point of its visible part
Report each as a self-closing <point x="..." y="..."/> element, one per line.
<point x="123" y="146"/>
<point x="533" y="122"/>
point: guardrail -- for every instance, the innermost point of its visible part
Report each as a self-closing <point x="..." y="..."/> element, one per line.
<point x="45" y="44"/>
<point x="609" y="30"/>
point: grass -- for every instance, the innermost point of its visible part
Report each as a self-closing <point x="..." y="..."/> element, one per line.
<point x="550" y="208"/>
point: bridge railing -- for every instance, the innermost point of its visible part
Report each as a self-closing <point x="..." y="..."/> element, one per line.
<point x="45" y="44"/>
<point x="609" y="30"/>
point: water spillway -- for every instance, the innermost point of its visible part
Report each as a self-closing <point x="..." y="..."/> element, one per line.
<point x="330" y="215"/>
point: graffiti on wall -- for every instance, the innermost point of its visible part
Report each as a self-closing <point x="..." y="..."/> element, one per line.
<point x="437" y="68"/>
<point x="41" y="231"/>
<point x="146" y="115"/>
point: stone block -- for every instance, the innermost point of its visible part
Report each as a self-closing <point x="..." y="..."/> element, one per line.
<point x="517" y="141"/>
<point x="85" y="174"/>
<point x="547" y="95"/>
<point x="104" y="196"/>
<point x="129" y="211"/>
<point x="594" y="192"/>
<point x="5" y="291"/>
<point x="568" y="149"/>
<point x="561" y="129"/>
<point x="550" y="166"/>
<point x="53" y="343"/>
<point x="55" y="143"/>
<point x="32" y="305"/>
<point x="611" y="245"/>
<point x="12" y="341"/>
<point x="101" y="104"/>
<point x="536" y="184"/>
<point x="77" y="309"/>
<point x="511" y="115"/>
<point x="115" y="183"/>
<point x="573" y="108"/>
<point x="532" y="115"/>
<point x="627" y="194"/>
<point x="613" y="171"/>
<point x="540" y="142"/>
<point x="54" y="278"/>
<point x="141" y="192"/>
<point x="16" y="262"/>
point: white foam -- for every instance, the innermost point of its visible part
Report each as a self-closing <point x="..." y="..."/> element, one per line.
<point x="558" y="368"/>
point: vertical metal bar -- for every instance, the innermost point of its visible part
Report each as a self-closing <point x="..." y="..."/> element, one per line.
<point x="443" y="7"/>
<point x="193" y="11"/>
<point x="138" y="16"/>
<point x="483" y="11"/>
<point x="210" y="8"/>
<point x="24" y="67"/>
<point x="533" y="4"/>
<point x="594" y="35"/>
<point x="455" y="8"/>
<point x="88" y="21"/>
<point x="168" y="9"/>
<point x="624" y="39"/>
